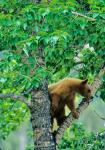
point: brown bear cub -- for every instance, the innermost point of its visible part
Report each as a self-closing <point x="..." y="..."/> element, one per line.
<point x="63" y="93"/>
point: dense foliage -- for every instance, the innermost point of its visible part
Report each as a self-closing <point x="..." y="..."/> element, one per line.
<point x="77" y="138"/>
<point x="70" y="45"/>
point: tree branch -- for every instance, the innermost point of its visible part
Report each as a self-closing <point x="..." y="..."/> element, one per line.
<point x="82" y="106"/>
<point x="79" y="63"/>
<point x="84" y="16"/>
<point x="16" y="98"/>
<point x="27" y="92"/>
<point x="102" y="118"/>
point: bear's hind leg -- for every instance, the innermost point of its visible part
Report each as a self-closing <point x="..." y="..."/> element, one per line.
<point x="60" y="117"/>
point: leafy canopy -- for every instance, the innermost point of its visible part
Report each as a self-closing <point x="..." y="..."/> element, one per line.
<point x="46" y="40"/>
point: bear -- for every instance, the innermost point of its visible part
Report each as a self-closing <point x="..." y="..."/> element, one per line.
<point x="63" y="93"/>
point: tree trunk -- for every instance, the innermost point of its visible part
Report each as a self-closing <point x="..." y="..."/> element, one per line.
<point x="41" y="119"/>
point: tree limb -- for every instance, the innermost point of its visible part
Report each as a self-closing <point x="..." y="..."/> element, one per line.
<point x="82" y="106"/>
<point x="84" y="16"/>
<point x="102" y="118"/>
<point x="16" y="98"/>
<point x="27" y="92"/>
<point x="79" y="63"/>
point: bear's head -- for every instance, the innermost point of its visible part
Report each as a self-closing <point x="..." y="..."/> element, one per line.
<point x="85" y="89"/>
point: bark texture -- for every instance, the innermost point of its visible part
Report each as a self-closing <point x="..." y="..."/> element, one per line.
<point x="41" y="120"/>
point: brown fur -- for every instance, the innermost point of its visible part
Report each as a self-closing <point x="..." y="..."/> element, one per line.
<point x="63" y="93"/>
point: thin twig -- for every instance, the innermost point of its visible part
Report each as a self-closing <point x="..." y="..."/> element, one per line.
<point x="84" y="16"/>
<point x="27" y="92"/>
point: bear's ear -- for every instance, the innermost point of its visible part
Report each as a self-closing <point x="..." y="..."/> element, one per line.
<point x="84" y="81"/>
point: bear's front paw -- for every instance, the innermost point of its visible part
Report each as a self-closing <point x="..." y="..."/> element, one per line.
<point x="75" y="114"/>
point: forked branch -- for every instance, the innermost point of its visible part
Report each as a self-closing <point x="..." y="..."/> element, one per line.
<point x="82" y="106"/>
<point x="15" y="97"/>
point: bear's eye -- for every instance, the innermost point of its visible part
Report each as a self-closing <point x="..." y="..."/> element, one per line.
<point x="89" y="90"/>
